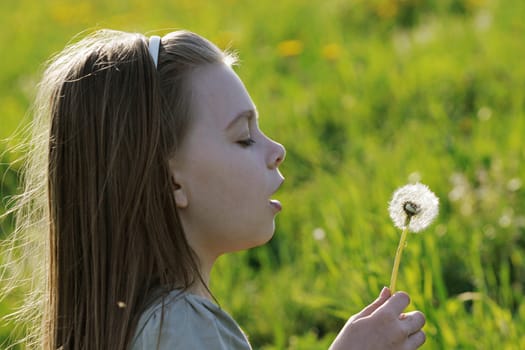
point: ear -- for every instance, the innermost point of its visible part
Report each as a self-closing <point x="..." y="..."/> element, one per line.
<point x="181" y="199"/>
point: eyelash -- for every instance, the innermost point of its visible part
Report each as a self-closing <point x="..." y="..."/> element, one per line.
<point x="246" y="143"/>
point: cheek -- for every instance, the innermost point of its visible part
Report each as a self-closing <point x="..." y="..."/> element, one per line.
<point x="233" y="169"/>
<point x="245" y="176"/>
<point x="227" y="176"/>
<point x="233" y="193"/>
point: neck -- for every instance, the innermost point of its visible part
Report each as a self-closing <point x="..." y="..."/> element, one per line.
<point x="201" y="287"/>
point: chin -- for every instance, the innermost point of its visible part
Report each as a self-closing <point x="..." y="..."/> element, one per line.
<point x="264" y="238"/>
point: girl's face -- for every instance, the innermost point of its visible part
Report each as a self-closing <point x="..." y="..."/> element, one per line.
<point x="226" y="169"/>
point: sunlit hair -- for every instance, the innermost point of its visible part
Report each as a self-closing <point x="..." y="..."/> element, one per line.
<point x="97" y="222"/>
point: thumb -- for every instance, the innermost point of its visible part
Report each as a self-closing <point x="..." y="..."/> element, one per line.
<point x="367" y="311"/>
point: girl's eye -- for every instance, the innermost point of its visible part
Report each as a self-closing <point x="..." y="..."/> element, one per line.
<point x="247" y="142"/>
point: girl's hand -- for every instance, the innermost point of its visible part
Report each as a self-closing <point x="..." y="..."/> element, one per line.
<point x="383" y="325"/>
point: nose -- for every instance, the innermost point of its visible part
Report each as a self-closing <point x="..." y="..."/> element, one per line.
<point x="276" y="154"/>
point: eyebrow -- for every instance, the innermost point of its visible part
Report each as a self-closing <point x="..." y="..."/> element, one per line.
<point x="248" y="114"/>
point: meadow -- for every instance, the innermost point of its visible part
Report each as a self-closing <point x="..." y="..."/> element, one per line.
<point x="366" y="96"/>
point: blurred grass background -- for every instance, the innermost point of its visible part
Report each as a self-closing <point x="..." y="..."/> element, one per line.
<point x="366" y="96"/>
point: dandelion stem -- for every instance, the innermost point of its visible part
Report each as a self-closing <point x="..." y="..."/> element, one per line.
<point x="399" y="252"/>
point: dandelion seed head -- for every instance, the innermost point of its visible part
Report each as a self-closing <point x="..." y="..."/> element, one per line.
<point x="414" y="177"/>
<point x="418" y="202"/>
<point x="319" y="234"/>
<point x="514" y="184"/>
<point x="484" y="113"/>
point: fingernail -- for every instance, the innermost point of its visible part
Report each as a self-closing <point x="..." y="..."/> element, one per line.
<point x="384" y="292"/>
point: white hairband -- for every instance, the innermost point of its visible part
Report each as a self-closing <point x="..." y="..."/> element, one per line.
<point x="154" y="45"/>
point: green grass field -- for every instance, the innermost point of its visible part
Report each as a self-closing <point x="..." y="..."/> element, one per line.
<point x="366" y="96"/>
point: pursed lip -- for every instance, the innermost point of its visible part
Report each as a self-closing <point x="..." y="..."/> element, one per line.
<point x="274" y="203"/>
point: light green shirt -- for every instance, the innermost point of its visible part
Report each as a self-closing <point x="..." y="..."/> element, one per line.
<point x="189" y="322"/>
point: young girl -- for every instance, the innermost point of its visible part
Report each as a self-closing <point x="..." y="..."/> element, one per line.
<point x="147" y="164"/>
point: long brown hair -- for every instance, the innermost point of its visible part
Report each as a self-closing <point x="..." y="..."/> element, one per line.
<point x="98" y="184"/>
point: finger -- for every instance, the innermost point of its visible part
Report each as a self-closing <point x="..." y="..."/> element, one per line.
<point x="383" y="297"/>
<point x="412" y="322"/>
<point x="395" y="305"/>
<point x="416" y="340"/>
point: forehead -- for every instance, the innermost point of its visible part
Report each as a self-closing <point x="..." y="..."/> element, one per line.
<point x="218" y="95"/>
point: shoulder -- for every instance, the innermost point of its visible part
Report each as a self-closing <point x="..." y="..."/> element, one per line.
<point x="164" y="320"/>
<point x="186" y="321"/>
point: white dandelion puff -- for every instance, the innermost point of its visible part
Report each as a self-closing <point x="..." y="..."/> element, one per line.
<point x="412" y="208"/>
<point x="319" y="234"/>
<point x="414" y="203"/>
